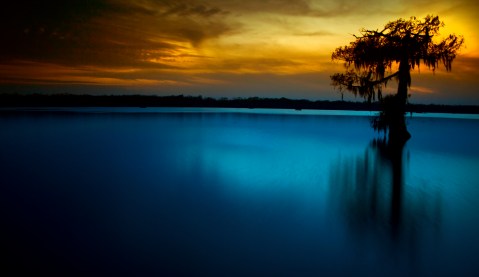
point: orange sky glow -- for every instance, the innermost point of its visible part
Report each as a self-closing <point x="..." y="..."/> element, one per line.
<point x="217" y="48"/>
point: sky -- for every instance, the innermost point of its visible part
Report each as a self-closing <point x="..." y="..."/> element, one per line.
<point x="216" y="48"/>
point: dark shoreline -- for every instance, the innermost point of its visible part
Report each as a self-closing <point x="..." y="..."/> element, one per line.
<point x="70" y="100"/>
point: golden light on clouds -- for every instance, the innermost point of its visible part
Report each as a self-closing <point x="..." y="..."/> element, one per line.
<point x="265" y="47"/>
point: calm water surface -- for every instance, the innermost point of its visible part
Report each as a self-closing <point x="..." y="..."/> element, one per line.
<point x="192" y="192"/>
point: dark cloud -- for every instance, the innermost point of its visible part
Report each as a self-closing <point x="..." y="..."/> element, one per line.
<point x="103" y="32"/>
<point x="316" y="34"/>
<point x="253" y="64"/>
<point x="186" y="8"/>
<point x="275" y="6"/>
<point x="36" y="81"/>
<point x="320" y="8"/>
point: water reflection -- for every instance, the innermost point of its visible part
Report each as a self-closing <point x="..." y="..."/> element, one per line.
<point x="379" y="205"/>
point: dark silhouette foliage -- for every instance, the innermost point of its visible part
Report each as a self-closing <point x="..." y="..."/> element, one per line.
<point x="377" y="56"/>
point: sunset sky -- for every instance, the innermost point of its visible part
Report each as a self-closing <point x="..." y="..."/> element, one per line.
<point x="218" y="48"/>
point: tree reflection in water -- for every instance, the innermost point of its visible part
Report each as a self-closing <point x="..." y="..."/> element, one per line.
<point x="378" y="205"/>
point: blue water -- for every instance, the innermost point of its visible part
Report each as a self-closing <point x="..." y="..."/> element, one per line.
<point x="233" y="192"/>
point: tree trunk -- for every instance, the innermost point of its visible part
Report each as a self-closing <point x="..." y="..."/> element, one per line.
<point x="397" y="126"/>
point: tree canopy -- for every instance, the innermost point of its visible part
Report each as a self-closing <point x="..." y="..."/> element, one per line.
<point x="377" y="56"/>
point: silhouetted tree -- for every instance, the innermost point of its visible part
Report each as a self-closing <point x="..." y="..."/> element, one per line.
<point x="376" y="57"/>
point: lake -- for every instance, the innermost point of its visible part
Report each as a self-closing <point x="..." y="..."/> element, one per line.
<point x="236" y="192"/>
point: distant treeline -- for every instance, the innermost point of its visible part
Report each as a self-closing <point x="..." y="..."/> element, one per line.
<point x="70" y="100"/>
